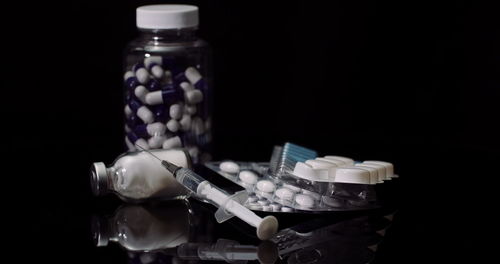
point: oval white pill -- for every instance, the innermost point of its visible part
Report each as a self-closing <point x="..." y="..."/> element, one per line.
<point x="347" y="161"/>
<point x="284" y="193"/>
<point x="304" y="200"/>
<point x="320" y="164"/>
<point x="286" y="209"/>
<point x="265" y="186"/>
<point x="229" y="167"/>
<point x="248" y="177"/>
<point x="291" y="187"/>
<point x="389" y="168"/>
<point x="267" y="208"/>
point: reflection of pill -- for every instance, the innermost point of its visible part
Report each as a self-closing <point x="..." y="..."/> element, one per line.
<point x="286" y="209"/>
<point x="284" y="193"/>
<point x="275" y="206"/>
<point x="248" y="177"/>
<point x="304" y="200"/>
<point x="229" y="167"/>
<point x="255" y="206"/>
<point x="347" y="161"/>
<point x="265" y="186"/>
<point x="389" y="168"/>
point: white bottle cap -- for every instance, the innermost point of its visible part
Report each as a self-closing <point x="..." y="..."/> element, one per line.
<point x="167" y="16"/>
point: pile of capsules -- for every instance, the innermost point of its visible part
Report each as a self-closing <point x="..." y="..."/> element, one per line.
<point x="164" y="106"/>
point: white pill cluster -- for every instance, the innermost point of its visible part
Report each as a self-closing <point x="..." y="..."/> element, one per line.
<point x="344" y="170"/>
<point x="166" y="106"/>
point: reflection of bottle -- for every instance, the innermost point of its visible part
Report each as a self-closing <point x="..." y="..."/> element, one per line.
<point x="141" y="228"/>
<point x="139" y="175"/>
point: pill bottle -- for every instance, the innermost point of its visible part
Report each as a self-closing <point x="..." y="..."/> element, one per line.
<point x="167" y="83"/>
<point x="137" y="176"/>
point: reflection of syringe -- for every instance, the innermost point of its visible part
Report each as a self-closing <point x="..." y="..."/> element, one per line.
<point x="229" y="205"/>
<point x="229" y="251"/>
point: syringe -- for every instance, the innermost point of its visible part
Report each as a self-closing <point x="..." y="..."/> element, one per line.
<point x="228" y="205"/>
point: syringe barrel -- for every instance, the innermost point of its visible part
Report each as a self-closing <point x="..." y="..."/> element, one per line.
<point x="189" y="179"/>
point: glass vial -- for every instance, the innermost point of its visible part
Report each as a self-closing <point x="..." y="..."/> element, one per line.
<point x="167" y="83"/>
<point x="138" y="176"/>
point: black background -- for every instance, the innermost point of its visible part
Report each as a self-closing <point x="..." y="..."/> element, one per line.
<point x="413" y="83"/>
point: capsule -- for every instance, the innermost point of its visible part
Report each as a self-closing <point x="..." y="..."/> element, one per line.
<point x="150" y="130"/>
<point x="141" y="111"/>
<point x="165" y="96"/>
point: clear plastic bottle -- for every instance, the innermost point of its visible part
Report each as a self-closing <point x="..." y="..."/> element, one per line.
<point x="167" y="82"/>
<point x="138" y="176"/>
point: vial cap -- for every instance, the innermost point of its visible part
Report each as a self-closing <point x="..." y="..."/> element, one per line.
<point x="99" y="178"/>
<point x="167" y="16"/>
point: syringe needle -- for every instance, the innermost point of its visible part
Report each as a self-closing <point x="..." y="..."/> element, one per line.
<point x="149" y="152"/>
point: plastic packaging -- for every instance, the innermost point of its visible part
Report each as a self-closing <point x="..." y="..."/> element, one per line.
<point x="137" y="176"/>
<point x="167" y="84"/>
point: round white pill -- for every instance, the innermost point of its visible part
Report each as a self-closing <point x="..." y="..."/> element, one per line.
<point x="185" y="122"/>
<point x="248" y="177"/>
<point x="284" y="193"/>
<point x="229" y="167"/>
<point x="304" y="200"/>
<point x="157" y="72"/>
<point x="286" y="209"/>
<point x="265" y="186"/>
<point x="194" y="96"/>
<point x="173" y="125"/>
<point x="174" y="142"/>
<point x="142" y="75"/>
<point x="175" y="111"/>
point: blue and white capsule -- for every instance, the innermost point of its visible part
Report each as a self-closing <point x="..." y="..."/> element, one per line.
<point x="141" y="111"/>
<point x="165" y="96"/>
